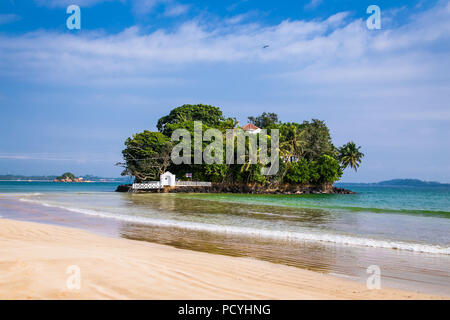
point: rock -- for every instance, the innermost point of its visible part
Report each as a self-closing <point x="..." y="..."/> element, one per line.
<point x="286" y="189"/>
<point x="123" y="188"/>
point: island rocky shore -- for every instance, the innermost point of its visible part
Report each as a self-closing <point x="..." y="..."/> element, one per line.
<point x="245" y="188"/>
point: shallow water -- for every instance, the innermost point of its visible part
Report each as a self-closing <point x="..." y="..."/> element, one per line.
<point x="406" y="234"/>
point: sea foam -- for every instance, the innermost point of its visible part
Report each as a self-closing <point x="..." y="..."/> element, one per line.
<point x="262" y="233"/>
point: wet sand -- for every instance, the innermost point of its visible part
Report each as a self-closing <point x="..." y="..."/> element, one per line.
<point x="34" y="260"/>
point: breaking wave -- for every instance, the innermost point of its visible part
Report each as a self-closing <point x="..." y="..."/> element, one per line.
<point x="255" y="232"/>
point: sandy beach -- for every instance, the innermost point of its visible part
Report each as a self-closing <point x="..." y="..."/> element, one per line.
<point x="34" y="261"/>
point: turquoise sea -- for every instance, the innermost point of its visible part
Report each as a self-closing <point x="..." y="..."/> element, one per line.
<point x="404" y="230"/>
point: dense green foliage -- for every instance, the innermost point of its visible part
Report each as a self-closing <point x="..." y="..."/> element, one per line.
<point x="265" y="120"/>
<point x="307" y="154"/>
<point x="325" y="169"/>
<point x="293" y="143"/>
<point x="317" y="140"/>
<point x="209" y="115"/>
<point x="67" y="175"/>
<point x="147" y="155"/>
<point x="298" y="172"/>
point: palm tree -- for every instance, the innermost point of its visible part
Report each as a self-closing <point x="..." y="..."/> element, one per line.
<point x="349" y="155"/>
<point x="248" y="161"/>
<point x="294" y="143"/>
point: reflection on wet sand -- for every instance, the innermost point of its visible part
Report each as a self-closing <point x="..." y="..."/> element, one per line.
<point x="403" y="270"/>
<point x="258" y="248"/>
<point x="184" y="205"/>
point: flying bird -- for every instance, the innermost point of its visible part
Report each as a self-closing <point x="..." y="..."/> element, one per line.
<point x="265" y="46"/>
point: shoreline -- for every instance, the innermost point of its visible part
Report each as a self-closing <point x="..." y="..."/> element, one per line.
<point x="284" y="189"/>
<point x="34" y="258"/>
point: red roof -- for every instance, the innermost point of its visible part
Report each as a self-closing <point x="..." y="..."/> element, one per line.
<point x="249" y="127"/>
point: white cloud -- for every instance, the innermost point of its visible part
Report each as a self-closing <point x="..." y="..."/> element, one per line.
<point x="333" y="42"/>
<point x="313" y="4"/>
<point x="176" y="10"/>
<point x="8" y="18"/>
<point x="333" y="58"/>
<point x="143" y="7"/>
<point x="239" y="18"/>
<point x="139" y="7"/>
<point x="65" y="3"/>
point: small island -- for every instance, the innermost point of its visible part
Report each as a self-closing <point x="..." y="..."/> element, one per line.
<point x="70" y="177"/>
<point x="307" y="160"/>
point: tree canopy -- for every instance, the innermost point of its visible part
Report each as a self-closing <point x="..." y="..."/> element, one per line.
<point x="265" y="120"/>
<point x="209" y="115"/>
<point x="147" y="155"/>
<point x="66" y="175"/>
<point x="307" y="154"/>
<point x="317" y="140"/>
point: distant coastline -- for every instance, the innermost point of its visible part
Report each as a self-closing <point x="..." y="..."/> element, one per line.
<point x="398" y="183"/>
<point x="24" y="180"/>
<point x="91" y="178"/>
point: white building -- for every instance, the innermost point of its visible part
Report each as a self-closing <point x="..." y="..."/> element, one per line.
<point x="251" y="128"/>
<point x="167" y="179"/>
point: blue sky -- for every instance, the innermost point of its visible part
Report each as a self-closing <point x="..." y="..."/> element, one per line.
<point x="69" y="98"/>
